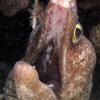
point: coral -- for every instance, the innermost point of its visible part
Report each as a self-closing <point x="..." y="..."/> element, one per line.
<point x="86" y="4"/>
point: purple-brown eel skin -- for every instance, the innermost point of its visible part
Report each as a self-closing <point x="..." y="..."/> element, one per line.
<point x="59" y="60"/>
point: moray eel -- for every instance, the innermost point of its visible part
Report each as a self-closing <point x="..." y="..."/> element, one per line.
<point x="59" y="60"/>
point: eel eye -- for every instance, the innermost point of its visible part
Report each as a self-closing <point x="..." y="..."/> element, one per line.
<point x="78" y="32"/>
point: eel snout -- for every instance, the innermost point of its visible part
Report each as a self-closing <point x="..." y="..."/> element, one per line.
<point x="27" y="83"/>
<point x="27" y="73"/>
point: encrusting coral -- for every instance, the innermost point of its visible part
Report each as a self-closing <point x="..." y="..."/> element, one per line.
<point x="86" y="4"/>
<point x="11" y="7"/>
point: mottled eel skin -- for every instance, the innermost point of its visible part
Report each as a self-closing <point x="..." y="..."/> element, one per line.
<point x="62" y="57"/>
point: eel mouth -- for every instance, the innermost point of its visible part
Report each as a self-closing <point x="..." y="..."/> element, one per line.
<point x="49" y="58"/>
<point x="48" y="67"/>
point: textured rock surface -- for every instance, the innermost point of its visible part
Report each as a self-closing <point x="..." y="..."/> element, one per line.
<point x="86" y="4"/>
<point x="94" y="37"/>
<point x="10" y="7"/>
